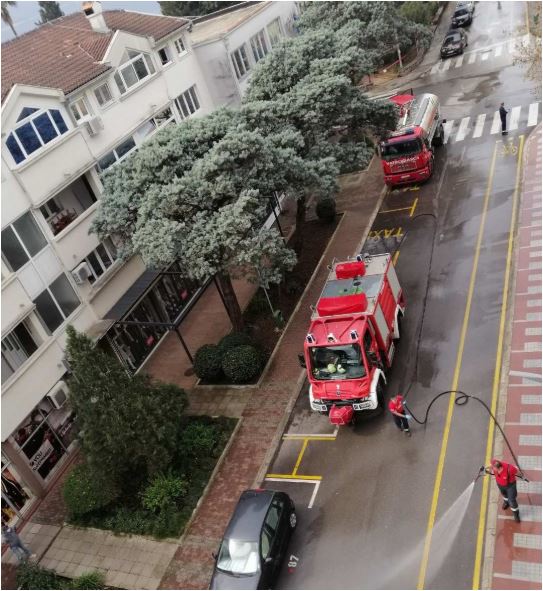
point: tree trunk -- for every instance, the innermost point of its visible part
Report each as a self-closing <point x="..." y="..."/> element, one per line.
<point x="230" y="301"/>
<point x="300" y="221"/>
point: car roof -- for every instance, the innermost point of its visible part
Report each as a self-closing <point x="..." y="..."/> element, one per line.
<point x="249" y="514"/>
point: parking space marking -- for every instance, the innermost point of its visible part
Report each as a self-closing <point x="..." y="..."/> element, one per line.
<point x="395" y="257"/>
<point x="300" y="456"/>
<point x="315" y="482"/>
<point x="293" y="477"/>
<point x="386" y="233"/>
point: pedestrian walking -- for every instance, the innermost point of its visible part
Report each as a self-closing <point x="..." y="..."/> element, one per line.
<point x="503" y="115"/>
<point x="12" y="539"/>
<point x="396" y="407"/>
<point x="506" y="479"/>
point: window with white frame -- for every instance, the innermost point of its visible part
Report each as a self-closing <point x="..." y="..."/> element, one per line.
<point x="21" y="241"/>
<point x="149" y="127"/>
<point x="188" y="102"/>
<point x="50" y="209"/>
<point x="117" y="154"/>
<point x="180" y="46"/>
<point x="240" y="61"/>
<point x="101" y="259"/>
<point x="134" y="70"/>
<point x="275" y="32"/>
<point x="79" y="109"/>
<point x="56" y="303"/>
<point x="35" y="128"/>
<point x="17" y="346"/>
<point x="164" y="55"/>
<point x="259" y="46"/>
<point x="103" y="95"/>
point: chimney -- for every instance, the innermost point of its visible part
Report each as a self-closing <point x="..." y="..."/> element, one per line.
<point x="93" y="12"/>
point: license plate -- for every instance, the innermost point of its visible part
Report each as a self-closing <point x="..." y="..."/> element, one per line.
<point x="362" y="405"/>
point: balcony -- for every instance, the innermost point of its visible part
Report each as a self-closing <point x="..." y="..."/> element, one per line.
<point x="64" y="208"/>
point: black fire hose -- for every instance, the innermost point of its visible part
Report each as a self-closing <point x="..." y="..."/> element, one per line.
<point x="461" y="399"/>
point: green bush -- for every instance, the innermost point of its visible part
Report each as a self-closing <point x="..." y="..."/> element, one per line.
<point x="419" y="12"/>
<point x="207" y="363"/>
<point x="242" y="364"/>
<point x="257" y="306"/>
<point x="198" y="440"/>
<point x="163" y="492"/>
<point x="31" y="576"/>
<point x="234" y="339"/>
<point x="86" y="490"/>
<point x="90" y="580"/>
<point x="326" y="209"/>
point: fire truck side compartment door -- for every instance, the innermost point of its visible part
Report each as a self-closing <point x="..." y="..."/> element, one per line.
<point x="393" y="281"/>
<point x="381" y="324"/>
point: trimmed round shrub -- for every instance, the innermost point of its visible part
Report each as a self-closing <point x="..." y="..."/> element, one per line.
<point x="86" y="490"/>
<point x="163" y="492"/>
<point x="207" y="363"/>
<point x="232" y="340"/>
<point x="326" y="209"/>
<point x="242" y="364"/>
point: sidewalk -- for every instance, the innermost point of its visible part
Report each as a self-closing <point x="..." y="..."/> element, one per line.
<point x="514" y="550"/>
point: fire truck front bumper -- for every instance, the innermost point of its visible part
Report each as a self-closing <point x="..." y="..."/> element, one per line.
<point x="412" y="176"/>
<point x="357" y="404"/>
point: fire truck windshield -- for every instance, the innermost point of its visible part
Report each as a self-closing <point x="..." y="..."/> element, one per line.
<point x="337" y="362"/>
<point x="392" y="150"/>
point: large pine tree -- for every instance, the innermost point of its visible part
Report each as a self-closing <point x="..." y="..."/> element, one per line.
<point x="49" y="11"/>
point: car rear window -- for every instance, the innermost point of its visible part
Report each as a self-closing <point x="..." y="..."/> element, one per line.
<point x="452" y="39"/>
<point x="461" y="12"/>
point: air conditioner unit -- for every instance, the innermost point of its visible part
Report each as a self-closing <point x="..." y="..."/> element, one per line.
<point x="81" y="273"/>
<point x="93" y="125"/>
<point x="58" y="395"/>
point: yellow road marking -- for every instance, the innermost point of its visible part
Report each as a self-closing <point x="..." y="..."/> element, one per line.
<point x="456" y="377"/>
<point x="300" y="456"/>
<point x="294" y="476"/>
<point x="310" y="437"/>
<point x="413" y="207"/>
<point x="395" y="257"/>
<point x="397" y="209"/>
<point x="497" y="376"/>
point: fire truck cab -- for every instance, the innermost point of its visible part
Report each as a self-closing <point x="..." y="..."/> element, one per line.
<point x="352" y="337"/>
<point x="407" y="155"/>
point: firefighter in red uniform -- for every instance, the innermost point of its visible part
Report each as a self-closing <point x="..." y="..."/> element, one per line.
<point x="506" y="479"/>
<point x="395" y="406"/>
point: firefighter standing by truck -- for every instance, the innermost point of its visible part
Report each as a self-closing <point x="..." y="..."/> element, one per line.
<point x="396" y="407"/>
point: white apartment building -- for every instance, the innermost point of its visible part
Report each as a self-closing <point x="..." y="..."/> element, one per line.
<point x="79" y="94"/>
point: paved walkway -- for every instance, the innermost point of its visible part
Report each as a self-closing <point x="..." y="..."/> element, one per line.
<point x="516" y="560"/>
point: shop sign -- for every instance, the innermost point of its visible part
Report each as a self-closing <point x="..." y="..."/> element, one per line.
<point x="41" y="455"/>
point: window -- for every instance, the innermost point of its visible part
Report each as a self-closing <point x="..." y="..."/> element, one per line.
<point x="179" y="46"/>
<point x="188" y="103"/>
<point x="103" y="95"/>
<point x="241" y="62"/>
<point x="117" y="154"/>
<point x="164" y="55"/>
<point x="274" y="514"/>
<point x="100" y="259"/>
<point x="138" y="67"/>
<point x="37" y="129"/>
<point x="50" y="209"/>
<point x="79" y="109"/>
<point x="258" y="45"/>
<point x="274" y="32"/>
<point x="337" y="362"/>
<point x="55" y="303"/>
<point x="21" y="240"/>
<point x="17" y="347"/>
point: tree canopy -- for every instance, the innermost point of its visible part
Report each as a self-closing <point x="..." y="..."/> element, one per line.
<point x="49" y="10"/>
<point x="193" y="8"/>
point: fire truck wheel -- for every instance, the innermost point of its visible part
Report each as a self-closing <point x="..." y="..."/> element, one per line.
<point x="380" y="395"/>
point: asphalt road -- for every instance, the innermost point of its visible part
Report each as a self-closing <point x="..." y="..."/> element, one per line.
<point x="368" y="496"/>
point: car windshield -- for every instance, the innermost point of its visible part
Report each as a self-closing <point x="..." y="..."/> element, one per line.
<point x="461" y="12"/>
<point x="238" y="557"/>
<point x="451" y="39"/>
<point x="337" y="362"/>
<point x="391" y="150"/>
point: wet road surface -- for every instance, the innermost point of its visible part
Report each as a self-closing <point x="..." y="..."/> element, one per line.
<point x="365" y="494"/>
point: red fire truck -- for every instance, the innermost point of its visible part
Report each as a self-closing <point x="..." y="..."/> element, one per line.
<point x="351" y="340"/>
<point x="407" y="155"/>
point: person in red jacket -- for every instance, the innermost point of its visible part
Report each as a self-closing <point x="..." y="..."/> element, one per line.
<point x="396" y="407"/>
<point x="506" y="479"/>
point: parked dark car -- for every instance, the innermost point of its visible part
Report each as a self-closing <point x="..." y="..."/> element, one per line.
<point x="466" y="4"/>
<point x="454" y="43"/>
<point x="255" y="541"/>
<point x="462" y="17"/>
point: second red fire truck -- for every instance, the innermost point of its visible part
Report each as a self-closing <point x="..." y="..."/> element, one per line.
<point x="352" y="337"/>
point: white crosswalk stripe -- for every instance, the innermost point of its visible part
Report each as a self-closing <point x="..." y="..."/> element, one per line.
<point x="515" y="115"/>
<point x="446" y="65"/>
<point x="435" y="68"/>
<point x="485" y="56"/>
<point x="520" y="117"/>
<point x="480" y="123"/>
<point x="498" y="51"/>
<point x="472" y="58"/>
<point x="496" y="123"/>
<point x="533" y="114"/>
<point x="459" y="61"/>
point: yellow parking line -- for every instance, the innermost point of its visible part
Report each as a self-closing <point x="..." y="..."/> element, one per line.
<point x="300" y="456"/>
<point x="310" y="437"/>
<point x="395" y="257"/>
<point x="497" y="376"/>
<point x="456" y="378"/>
<point x="413" y="207"/>
<point x="294" y="476"/>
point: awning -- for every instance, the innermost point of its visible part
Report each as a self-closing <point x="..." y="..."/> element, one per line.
<point x="132" y="295"/>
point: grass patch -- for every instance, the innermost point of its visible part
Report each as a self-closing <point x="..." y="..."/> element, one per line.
<point x="194" y="464"/>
